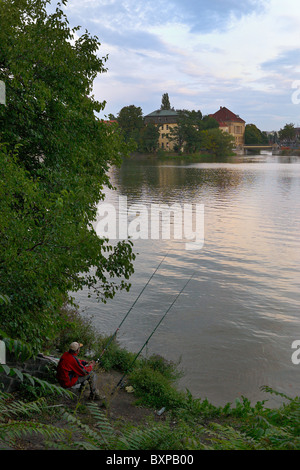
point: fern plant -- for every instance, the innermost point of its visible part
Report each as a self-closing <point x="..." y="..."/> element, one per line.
<point x="102" y="436"/>
<point x="13" y="425"/>
<point x="13" y="412"/>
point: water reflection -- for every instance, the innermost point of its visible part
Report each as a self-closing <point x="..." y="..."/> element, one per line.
<point x="234" y="324"/>
<point x="159" y="179"/>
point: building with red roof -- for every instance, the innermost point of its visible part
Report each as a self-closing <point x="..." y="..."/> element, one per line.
<point x="231" y="123"/>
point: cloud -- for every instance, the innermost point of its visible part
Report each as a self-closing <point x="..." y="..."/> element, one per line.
<point x="207" y="16"/>
<point x="286" y="60"/>
<point x="131" y="15"/>
<point x="136" y="39"/>
<point x="205" y="54"/>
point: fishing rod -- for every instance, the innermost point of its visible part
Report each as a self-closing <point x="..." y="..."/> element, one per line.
<point x="150" y="336"/>
<point x="116" y="332"/>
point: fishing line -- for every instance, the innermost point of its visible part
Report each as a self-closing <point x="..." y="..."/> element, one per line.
<point x="150" y="336"/>
<point x="116" y="332"/>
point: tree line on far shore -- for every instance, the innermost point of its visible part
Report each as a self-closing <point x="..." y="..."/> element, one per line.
<point x="193" y="133"/>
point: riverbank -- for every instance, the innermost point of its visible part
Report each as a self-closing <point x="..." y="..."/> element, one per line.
<point x="119" y="408"/>
<point x="146" y="412"/>
<point x="121" y="422"/>
<point x="198" y="157"/>
<point x="162" y="155"/>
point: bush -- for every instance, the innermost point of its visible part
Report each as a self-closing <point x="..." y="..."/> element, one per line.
<point x="74" y="328"/>
<point x="166" y="368"/>
<point x="154" y="389"/>
<point x="114" y="356"/>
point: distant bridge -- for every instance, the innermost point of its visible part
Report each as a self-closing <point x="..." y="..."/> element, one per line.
<point x="260" y="147"/>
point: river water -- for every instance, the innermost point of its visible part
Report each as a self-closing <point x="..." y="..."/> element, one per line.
<point x="232" y="328"/>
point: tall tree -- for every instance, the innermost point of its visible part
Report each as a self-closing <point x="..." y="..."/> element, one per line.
<point x="254" y="136"/>
<point x="187" y="133"/>
<point x="216" y="142"/>
<point x="165" y="102"/>
<point x="53" y="167"/>
<point x="131" y="122"/>
<point x="288" y="133"/>
<point x="149" y="139"/>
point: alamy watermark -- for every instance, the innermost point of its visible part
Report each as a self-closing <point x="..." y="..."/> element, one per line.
<point x="2" y="352"/>
<point x="152" y="222"/>
<point x="296" y="354"/>
<point x="2" y="93"/>
<point x="296" y="94"/>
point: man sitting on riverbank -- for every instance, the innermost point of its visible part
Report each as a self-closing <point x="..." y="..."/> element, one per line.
<point x="73" y="371"/>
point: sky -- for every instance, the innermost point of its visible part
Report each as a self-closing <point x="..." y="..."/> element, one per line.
<point x="241" y="54"/>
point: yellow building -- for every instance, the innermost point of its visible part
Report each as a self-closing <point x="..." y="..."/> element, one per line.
<point x="231" y="123"/>
<point x="165" y="119"/>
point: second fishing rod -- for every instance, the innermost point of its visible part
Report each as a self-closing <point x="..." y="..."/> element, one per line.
<point x="152" y="333"/>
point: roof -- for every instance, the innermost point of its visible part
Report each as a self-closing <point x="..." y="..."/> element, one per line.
<point x="163" y="113"/>
<point x="225" y="115"/>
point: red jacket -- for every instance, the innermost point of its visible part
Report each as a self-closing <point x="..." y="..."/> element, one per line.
<point x="70" y="368"/>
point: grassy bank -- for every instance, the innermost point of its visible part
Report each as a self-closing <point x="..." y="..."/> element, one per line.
<point x="162" y="156"/>
<point x="187" y="423"/>
<point x="188" y="157"/>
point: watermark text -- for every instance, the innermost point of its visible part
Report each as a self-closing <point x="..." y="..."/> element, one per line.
<point x="296" y="354"/>
<point x="2" y="93"/>
<point x="154" y="222"/>
<point x="296" y="94"/>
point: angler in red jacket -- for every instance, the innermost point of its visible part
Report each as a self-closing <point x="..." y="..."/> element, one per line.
<point x="73" y="371"/>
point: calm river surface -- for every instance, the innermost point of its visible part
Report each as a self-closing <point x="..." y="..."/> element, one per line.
<point x="233" y="326"/>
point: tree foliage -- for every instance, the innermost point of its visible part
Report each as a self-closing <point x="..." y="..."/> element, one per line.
<point x="254" y="136"/>
<point x="143" y="138"/>
<point x="131" y="122"/>
<point x="186" y="133"/>
<point x="288" y="133"/>
<point x="165" y="102"/>
<point x="149" y="139"/>
<point x="217" y="142"/>
<point x="195" y="132"/>
<point x="55" y="156"/>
